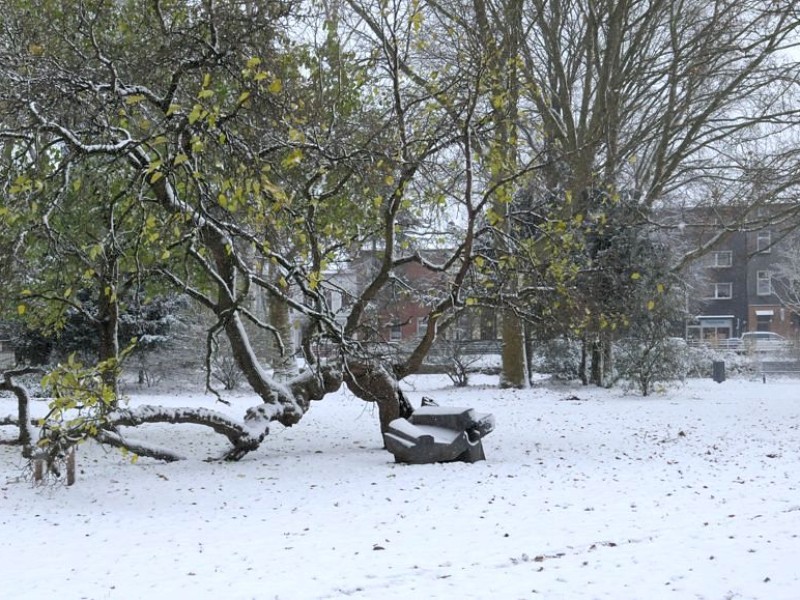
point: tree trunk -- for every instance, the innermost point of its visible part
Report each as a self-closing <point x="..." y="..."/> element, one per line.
<point x="598" y="367"/>
<point x="515" y="365"/>
<point x="501" y="33"/>
<point x="108" y="328"/>
<point x="608" y="360"/>
<point x="280" y="343"/>
<point x="602" y="357"/>
<point x="584" y="360"/>
<point x="26" y="431"/>
<point x="376" y="384"/>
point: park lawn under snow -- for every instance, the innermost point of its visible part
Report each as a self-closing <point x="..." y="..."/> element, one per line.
<point x="585" y="493"/>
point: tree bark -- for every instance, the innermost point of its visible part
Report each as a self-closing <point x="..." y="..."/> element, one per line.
<point x="26" y="431"/>
<point x="376" y="384"/>
<point x="108" y="333"/>
<point x="515" y="372"/>
<point x="584" y="360"/>
<point x="596" y="377"/>
<point x="280" y="342"/>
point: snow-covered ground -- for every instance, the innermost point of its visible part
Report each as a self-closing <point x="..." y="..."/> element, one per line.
<point x="585" y="493"/>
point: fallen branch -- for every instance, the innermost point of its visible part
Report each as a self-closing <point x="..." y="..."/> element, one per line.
<point x="243" y="436"/>
<point x="139" y="448"/>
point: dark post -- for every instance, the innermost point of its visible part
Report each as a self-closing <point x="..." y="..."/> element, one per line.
<point x="718" y="371"/>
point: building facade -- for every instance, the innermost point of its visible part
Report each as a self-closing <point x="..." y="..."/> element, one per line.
<point x="734" y="289"/>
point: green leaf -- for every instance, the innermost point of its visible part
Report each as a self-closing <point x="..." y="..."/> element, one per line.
<point x="196" y="114"/>
<point x="293" y="158"/>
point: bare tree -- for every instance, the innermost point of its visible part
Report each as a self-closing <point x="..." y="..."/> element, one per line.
<point x="663" y="105"/>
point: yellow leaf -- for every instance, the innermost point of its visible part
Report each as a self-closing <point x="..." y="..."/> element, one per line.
<point x="135" y="99"/>
<point x="243" y="97"/>
<point x="253" y="62"/>
<point x="651" y="305"/>
<point x="493" y="217"/>
<point x="173" y="108"/>
<point x="21" y="309"/>
<point x="196" y="114"/>
<point x="294" y="157"/>
<point x="389" y="180"/>
<point x="205" y="94"/>
<point x="275" y="87"/>
<point x="180" y="159"/>
<point x="416" y="20"/>
<point x="635" y="276"/>
<point x="156" y="176"/>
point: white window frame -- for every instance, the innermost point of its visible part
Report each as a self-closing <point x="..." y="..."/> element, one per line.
<point x="395" y="333"/>
<point x="763" y="283"/>
<point x="719" y="295"/>
<point x="764" y="242"/>
<point x="721" y="264"/>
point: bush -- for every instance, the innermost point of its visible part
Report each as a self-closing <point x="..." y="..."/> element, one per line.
<point x="645" y="363"/>
<point x="559" y="357"/>
<point x="700" y="359"/>
<point x="226" y="371"/>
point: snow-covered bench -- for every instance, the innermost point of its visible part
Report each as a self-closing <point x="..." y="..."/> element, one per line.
<point x="439" y="434"/>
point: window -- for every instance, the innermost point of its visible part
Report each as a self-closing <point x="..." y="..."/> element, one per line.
<point x="763" y="241"/>
<point x="396" y="333"/>
<point x="722" y="259"/>
<point x="722" y="291"/>
<point x="422" y="325"/>
<point x="763" y="283"/>
<point x="763" y="323"/>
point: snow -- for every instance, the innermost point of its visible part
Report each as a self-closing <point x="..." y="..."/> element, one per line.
<point x="585" y="493"/>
